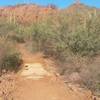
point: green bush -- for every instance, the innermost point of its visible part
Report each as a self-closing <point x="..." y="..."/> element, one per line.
<point x="84" y="43"/>
<point x="22" y="34"/>
<point x="6" y="28"/>
<point x="56" y="41"/>
<point x="11" y="62"/>
<point x="91" y="76"/>
<point x="17" y="38"/>
<point x="47" y="39"/>
<point x="10" y="59"/>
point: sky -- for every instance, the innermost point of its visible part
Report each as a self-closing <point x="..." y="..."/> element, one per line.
<point x="58" y="3"/>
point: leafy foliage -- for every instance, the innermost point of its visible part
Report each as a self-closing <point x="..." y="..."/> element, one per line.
<point x="12" y="62"/>
<point x="84" y="43"/>
<point x="10" y="59"/>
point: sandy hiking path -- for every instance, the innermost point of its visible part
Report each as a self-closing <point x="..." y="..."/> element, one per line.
<point x="34" y="82"/>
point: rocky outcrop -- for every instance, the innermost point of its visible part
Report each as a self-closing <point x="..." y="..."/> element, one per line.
<point x="26" y="13"/>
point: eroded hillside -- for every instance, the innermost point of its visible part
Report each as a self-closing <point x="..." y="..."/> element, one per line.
<point x="26" y="13"/>
<point x="30" y="13"/>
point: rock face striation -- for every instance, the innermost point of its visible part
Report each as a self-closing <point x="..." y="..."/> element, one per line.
<point x="26" y="13"/>
<point x="31" y="13"/>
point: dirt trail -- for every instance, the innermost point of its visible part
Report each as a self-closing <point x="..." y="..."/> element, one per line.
<point x="47" y="89"/>
<point x="26" y="55"/>
<point x="34" y="82"/>
<point x="29" y="57"/>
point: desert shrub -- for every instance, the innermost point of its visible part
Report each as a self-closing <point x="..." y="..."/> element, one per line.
<point x="84" y="43"/>
<point x="11" y="62"/>
<point x="91" y="76"/>
<point x="55" y="40"/>
<point x="12" y="31"/>
<point x="48" y="39"/>
<point x="22" y="34"/>
<point x="17" y="38"/>
<point x="10" y="59"/>
<point x="6" y="28"/>
<point x="59" y="40"/>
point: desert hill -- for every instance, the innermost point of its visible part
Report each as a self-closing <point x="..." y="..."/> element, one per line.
<point x="26" y="13"/>
<point x="30" y="13"/>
